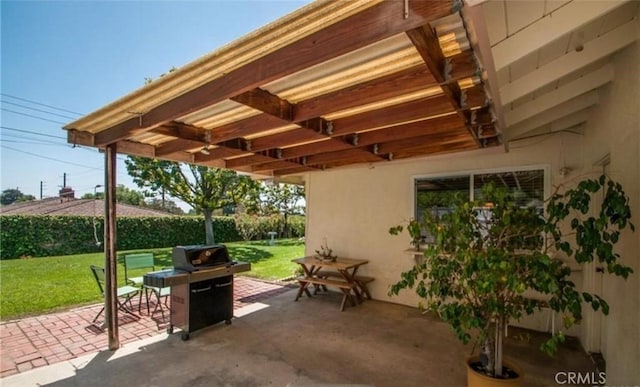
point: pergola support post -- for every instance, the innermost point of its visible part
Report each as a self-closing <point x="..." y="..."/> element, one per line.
<point x="111" y="269"/>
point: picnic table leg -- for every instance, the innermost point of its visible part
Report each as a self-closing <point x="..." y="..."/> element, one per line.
<point x="350" y="277"/>
<point x="303" y="288"/>
<point x="363" y="287"/>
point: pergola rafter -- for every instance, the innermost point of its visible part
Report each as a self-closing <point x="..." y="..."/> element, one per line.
<point x="367" y="87"/>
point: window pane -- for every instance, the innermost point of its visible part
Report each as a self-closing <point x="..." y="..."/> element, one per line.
<point x="526" y="186"/>
<point x="438" y="194"/>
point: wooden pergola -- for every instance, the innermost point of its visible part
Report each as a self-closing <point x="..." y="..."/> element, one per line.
<point x="333" y="84"/>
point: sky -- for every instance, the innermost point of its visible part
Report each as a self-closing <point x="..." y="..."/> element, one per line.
<point x="63" y="59"/>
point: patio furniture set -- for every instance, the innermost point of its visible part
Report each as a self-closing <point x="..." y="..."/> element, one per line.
<point x="339" y="272"/>
<point x="134" y="285"/>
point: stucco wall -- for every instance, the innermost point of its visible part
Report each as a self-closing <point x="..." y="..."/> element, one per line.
<point x="614" y="127"/>
<point x="354" y="207"/>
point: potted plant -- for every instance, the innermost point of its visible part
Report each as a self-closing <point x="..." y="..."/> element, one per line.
<point x="415" y="232"/>
<point x="325" y="253"/>
<point x="487" y="254"/>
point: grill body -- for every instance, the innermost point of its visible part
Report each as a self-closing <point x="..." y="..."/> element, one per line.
<point x="201" y="304"/>
<point x="201" y="296"/>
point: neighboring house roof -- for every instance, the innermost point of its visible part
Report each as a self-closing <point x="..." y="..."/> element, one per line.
<point x="70" y="206"/>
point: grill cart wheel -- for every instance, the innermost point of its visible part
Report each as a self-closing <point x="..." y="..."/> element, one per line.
<point x="228" y="322"/>
<point x="184" y="336"/>
<point x="170" y="329"/>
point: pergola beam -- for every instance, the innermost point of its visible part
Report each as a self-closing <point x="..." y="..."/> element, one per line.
<point x="434" y="149"/>
<point x="426" y="42"/>
<point x="359" y="30"/>
<point x="434" y="140"/>
<point x="178" y="145"/>
<point x="181" y="130"/>
<point x="411" y="130"/>
<point x="291" y="137"/>
<point x="266" y="102"/>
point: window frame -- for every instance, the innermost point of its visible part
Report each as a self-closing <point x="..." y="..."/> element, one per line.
<point x="544" y="167"/>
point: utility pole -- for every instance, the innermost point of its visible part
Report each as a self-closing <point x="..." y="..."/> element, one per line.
<point x="41" y="184"/>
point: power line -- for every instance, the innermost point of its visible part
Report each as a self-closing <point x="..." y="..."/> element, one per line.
<point x="31" y="142"/>
<point x="32" y="116"/>
<point x="30" y="137"/>
<point x="52" y="136"/>
<point x="48" y="158"/>
<point x="41" y="104"/>
<point x="38" y="110"/>
<point x="30" y="132"/>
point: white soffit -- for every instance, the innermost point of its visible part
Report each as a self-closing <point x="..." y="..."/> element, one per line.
<point x="529" y="29"/>
<point x="551" y="57"/>
<point x="594" y="50"/>
<point x="565" y="93"/>
<point x="571" y="107"/>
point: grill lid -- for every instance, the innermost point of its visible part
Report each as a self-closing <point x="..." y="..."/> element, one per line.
<point x="195" y="257"/>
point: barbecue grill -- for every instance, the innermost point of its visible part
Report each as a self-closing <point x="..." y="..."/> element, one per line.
<point x="201" y="286"/>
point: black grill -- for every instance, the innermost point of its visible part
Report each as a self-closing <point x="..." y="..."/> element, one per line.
<point x="201" y="286"/>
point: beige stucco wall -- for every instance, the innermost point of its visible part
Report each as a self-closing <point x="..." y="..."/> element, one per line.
<point x="354" y="207"/>
<point x="614" y="127"/>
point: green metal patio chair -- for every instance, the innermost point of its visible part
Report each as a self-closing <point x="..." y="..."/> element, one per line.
<point x="145" y="261"/>
<point x="124" y="293"/>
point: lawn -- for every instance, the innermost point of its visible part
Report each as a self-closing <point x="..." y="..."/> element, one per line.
<point x="39" y="285"/>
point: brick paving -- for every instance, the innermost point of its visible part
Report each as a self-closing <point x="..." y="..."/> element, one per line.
<point x="38" y="341"/>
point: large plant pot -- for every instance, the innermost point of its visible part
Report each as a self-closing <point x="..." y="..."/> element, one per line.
<point x="476" y="379"/>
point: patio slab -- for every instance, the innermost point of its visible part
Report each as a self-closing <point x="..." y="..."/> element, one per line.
<point x="38" y="341"/>
<point x="278" y="342"/>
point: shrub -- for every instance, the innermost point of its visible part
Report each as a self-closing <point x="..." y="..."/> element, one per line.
<point x="297" y="225"/>
<point x="248" y="226"/>
<point x="43" y="236"/>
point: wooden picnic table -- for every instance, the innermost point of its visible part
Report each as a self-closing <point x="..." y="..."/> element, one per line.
<point x="341" y="273"/>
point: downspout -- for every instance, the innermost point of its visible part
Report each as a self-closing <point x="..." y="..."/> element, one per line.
<point x="110" y="261"/>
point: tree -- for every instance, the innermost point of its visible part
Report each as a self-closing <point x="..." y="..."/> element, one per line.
<point x="12" y="195"/>
<point x="124" y="195"/>
<point x="164" y="205"/>
<point x="206" y="189"/>
<point x="488" y="253"/>
<point x="283" y="199"/>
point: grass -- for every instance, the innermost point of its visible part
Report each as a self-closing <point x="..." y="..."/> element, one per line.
<point x="39" y="285"/>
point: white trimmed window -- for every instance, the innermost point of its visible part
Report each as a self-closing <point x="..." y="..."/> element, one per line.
<point x="437" y="194"/>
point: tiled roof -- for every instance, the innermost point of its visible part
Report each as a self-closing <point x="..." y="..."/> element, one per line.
<point x="69" y="206"/>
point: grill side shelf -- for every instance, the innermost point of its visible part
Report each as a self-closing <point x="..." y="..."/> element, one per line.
<point x="205" y="274"/>
<point x="166" y="278"/>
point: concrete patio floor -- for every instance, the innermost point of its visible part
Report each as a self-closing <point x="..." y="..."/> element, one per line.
<point x="278" y="342"/>
<point x="36" y="341"/>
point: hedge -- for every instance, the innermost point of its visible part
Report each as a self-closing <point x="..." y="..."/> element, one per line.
<point x="43" y="236"/>
<point x="251" y="227"/>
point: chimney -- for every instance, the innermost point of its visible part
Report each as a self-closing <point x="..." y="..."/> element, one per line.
<point x="67" y="193"/>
